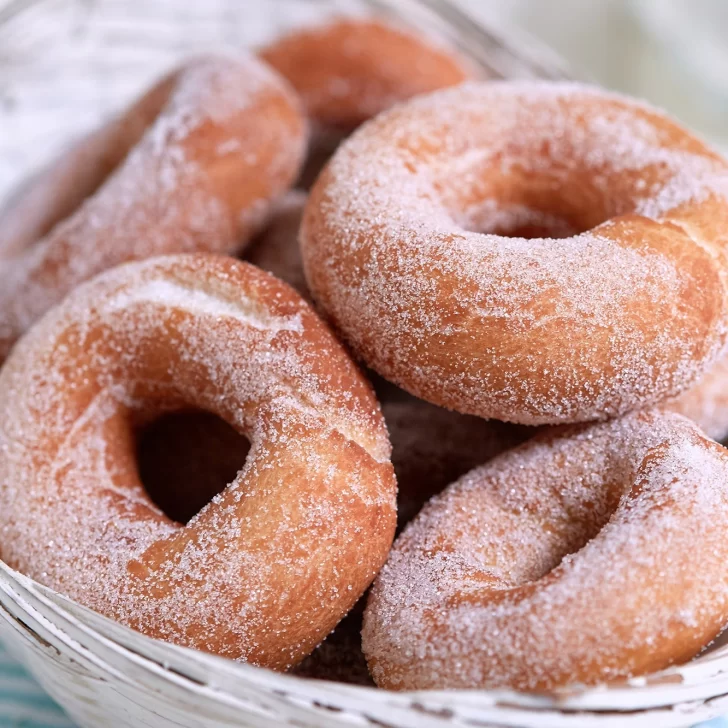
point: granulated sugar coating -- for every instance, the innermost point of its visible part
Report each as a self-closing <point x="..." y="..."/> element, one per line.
<point x="590" y="553"/>
<point x="266" y="570"/>
<point x="193" y="166"/>
<point x="400" y="250"/>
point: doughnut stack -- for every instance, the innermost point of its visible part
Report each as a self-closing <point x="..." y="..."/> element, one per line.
<point x="491" y="324"/>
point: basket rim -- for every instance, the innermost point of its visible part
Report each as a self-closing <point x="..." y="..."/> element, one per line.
<point x="704" y="678"/>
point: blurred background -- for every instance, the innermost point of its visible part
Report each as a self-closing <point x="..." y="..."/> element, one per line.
<point x="672" y="52"/>
<point x="65" y="64"/>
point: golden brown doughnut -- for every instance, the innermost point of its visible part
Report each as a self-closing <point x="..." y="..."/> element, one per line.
<point x="192" y="166"/>
<point x="266" y="570"/>
<point x="398" y="251"/>
<point x="590" y="553"/>
<point x="351" y="69"/>
<point x="706" y="403"/>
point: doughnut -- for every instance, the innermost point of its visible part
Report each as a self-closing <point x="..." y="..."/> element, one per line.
<point x="267" y="569"/>
<point x="415" y="242"/>
<point x="349" y="70"/>
<point x="591" y="553"/>
<point x="706" y="403"/>
<point x="193" y="166"/>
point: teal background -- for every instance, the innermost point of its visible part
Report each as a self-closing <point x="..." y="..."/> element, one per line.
<point x="23" y="704"/>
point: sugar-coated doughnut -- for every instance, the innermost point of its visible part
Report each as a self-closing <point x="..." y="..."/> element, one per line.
<point x="400" y="250"/>
<point x="590" y="553"/>
<point x="267" y="569"/>
<point x="349" y="70"/>
<point x="192" y="166"/>
<point x="706" y="402"/>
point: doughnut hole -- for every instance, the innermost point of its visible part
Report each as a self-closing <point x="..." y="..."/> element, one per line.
<point x="531" y="203"/>
<point x="549" y="188"/>
<point x="517" y="221"/>
<point x="186" y="458"/>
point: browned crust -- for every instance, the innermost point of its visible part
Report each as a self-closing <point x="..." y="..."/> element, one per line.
<point x="349" y="70"/>
<point x="266" y="570"/>
<point x="192" y="166"/>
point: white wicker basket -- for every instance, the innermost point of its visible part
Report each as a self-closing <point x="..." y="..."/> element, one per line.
<point x="63" y="65"/>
